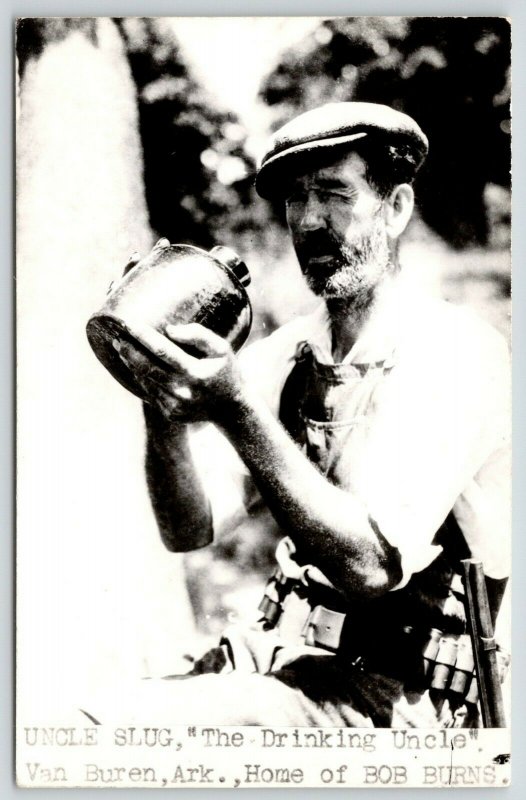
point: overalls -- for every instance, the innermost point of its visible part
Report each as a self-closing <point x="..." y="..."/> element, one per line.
<point x="374" y="674"/>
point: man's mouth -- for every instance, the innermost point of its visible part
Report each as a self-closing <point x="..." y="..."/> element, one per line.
<point x="318" y="259"/>
<point x="321" y="260"/>
<point x="317" y="253"/>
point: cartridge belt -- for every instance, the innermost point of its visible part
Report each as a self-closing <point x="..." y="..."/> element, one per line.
<point x="422" y="659"/>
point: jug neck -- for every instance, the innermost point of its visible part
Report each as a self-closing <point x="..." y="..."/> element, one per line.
<point x="230" y="259"/>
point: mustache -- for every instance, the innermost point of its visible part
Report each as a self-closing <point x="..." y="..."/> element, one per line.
<point x="318" y="244"/>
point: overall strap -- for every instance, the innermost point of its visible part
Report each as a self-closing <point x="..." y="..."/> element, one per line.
<point x="293" y="393"/>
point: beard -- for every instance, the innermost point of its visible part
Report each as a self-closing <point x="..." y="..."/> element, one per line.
<point x="352" y="269"/>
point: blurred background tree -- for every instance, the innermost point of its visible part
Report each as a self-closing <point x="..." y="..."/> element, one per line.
<point x="197" y="172"/>
<point x="452" y="74"/>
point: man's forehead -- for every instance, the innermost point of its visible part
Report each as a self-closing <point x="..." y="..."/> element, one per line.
<point x="348" y="168"/>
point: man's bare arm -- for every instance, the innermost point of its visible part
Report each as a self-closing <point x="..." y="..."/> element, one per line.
<point x="180" y="505"/>
<point x="327" y="521"/>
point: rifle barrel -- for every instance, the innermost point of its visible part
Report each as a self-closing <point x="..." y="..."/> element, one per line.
<point x="483" y="642"/>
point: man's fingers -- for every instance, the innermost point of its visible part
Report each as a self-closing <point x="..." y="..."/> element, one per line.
<point x="170" y="405"/>
<point x="135" y="361"/>
<point x="161" y="347"/>
<point x="205" y="340"/>
<point x="149" y="374"/>
<point x="139" y="363"/>
<point x="132" y="262"/>
<point x="136" y="256"/>
<point x="183" y="393"/>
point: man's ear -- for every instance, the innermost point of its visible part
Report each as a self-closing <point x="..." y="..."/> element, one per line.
<point x="398" y="209"/>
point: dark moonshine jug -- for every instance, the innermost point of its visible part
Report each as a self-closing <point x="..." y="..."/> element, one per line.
<point x="172" y="285"/>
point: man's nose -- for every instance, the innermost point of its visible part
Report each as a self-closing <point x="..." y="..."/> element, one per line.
<point x="312" y="216"/>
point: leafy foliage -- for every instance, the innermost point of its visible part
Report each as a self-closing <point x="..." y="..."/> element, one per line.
<point x="198" y="177"/>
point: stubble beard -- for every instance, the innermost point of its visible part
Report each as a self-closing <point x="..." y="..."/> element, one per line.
<point x="355" y="272"/>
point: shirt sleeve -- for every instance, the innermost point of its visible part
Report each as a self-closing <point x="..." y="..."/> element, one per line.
<point x="441" y="444"/>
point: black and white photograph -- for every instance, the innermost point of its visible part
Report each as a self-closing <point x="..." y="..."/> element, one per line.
<point x="263" y="320"/>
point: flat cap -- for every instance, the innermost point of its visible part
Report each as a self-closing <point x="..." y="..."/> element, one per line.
<point x="335" y="125"/>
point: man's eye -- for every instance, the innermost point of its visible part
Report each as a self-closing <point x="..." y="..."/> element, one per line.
<point x="322" y="195"/>
<point x="338" y="194"/>
<point x="295" y="197"/>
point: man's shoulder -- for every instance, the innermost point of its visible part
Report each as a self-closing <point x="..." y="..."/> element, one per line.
<point x="459" y="328"/>
<point x="283" y="342"/>
<point x="267" y="362"/>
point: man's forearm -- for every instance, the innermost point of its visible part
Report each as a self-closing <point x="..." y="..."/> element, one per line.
<point x="181" y="508"/>
<point x="328" y="521"/>
<point x="325" y="520"/>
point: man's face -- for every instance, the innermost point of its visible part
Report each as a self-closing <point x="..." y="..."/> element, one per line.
<point x="338" y="229"/>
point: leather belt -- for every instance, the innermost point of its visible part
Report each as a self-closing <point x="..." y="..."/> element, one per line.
<point x="437" y="661"/>
<point x="324" y="628"/>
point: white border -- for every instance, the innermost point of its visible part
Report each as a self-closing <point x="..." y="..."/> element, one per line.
<point x="12" y="9"/>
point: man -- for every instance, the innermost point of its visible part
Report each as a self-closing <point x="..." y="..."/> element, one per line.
<point x="375" y="431"/>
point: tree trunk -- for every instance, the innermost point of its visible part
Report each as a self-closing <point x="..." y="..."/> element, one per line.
<point x="98" y="596"/>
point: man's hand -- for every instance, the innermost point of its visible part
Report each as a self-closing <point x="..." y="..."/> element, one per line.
<point x="134" y="260"/>
<point x="181" y="386"/>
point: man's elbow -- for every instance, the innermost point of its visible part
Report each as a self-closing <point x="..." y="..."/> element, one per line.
<point x="378" y="576"/>
<point x="379" y="582"/>
<point x="382" y="570"/>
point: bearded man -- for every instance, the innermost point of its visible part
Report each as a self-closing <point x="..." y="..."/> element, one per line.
<point x="375" y="431"/>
